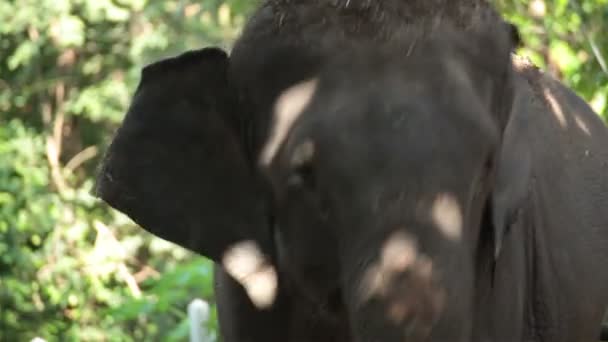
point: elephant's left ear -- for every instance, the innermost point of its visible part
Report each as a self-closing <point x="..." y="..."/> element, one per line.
<point x="513" y="172"/>
<point x="177" y="165"/>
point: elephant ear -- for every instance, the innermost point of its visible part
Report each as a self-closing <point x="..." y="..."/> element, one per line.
<point x="488" y="53"/>
<point x="513" y="172"/>
<point x="177" y="165"/>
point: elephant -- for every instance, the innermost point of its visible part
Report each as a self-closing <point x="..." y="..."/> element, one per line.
<point x="373" y="171"/>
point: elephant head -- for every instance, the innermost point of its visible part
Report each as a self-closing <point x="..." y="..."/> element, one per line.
<point x="410" y="164"/>
<point x="382" y="178"/>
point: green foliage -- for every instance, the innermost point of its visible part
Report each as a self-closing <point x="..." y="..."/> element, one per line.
<point x="71" y="269"/>
<point x="566" y="38"/>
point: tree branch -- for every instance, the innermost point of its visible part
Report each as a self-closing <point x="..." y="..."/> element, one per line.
<point x="81" y="158"/>
<point x="54" y="140"/>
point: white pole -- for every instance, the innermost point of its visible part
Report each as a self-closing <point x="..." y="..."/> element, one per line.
<point x="198" y="313"/>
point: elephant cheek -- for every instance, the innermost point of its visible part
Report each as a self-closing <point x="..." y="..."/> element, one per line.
<point x="404" y="287"/>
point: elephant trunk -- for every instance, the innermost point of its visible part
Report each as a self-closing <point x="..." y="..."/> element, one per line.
<point x="409" y="285"/>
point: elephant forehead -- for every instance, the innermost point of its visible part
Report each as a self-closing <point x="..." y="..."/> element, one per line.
<point x="288" y="107"/>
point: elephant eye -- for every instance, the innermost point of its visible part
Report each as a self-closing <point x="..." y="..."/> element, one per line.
<point x="302" y="173"/>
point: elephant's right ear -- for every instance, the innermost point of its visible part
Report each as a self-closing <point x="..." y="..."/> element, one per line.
<point x="513" y="171"/>
<point x="177" y="165"/>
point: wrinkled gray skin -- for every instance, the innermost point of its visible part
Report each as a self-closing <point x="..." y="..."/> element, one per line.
<point x="417" y="109"/>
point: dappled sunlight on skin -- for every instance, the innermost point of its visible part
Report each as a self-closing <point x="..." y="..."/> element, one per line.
<point x="555" y="107"/>
<point x="582" y="125"/>
<point x="246" y="264"/>
<point x="447" y="216"/>
<point x="399" y="252"/>
<point x="405" y="280"/>
<point x="568" y="117"/>
<point x="397" y="255"/>
<point x="288" y="107"/>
